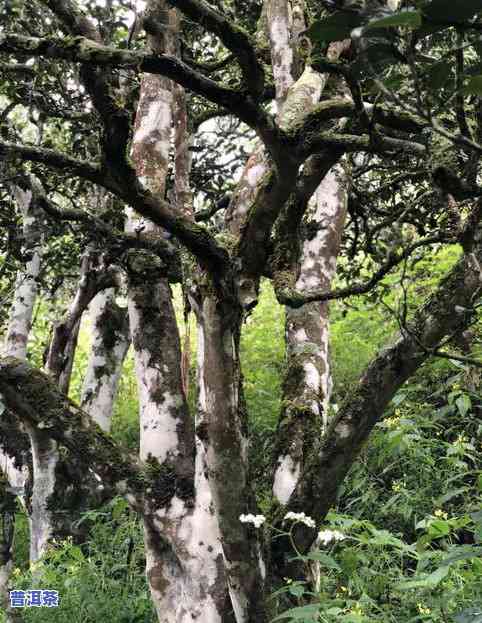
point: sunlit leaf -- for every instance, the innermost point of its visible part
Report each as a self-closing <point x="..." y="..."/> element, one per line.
<point x="308" y="613"/>
<point x="463" y="404"/>
<point x="408" y="19"/>
<point x="473" y="86"/>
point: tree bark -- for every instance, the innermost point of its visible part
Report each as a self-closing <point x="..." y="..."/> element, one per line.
<point x="110" y="342"/>
<point x="183" y="552"/>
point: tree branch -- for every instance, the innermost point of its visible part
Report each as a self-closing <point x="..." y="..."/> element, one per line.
<point x="34" y="399"/>
<point x="82" y="50"/>
<point x="53" y="158"/>
<point x="123" y="240"/>
<point x="126" y="186"/>
<point x="292" y="298"/>
<point x="236" y="39"/>
<point x="351" y="426"/>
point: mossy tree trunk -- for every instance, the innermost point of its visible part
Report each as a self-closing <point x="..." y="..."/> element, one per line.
<point x="110" y="342"/>
<point x="183" y="552"/>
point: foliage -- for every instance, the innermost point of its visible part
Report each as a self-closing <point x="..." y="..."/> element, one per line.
<point x="410" y="512"/>
<point x="100" y="580"/>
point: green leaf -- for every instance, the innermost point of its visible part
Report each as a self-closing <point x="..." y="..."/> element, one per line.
<point x="408" y="19"/>
<point x="383" y="537"/>
<point x="438" y="528"/>
<point x="76" y="553"/>
<point x="463" y="404"/>
<point x="297" y="590"/>
<point x="452" y="11"/>
<point x="430" y="581"/>
<point x="308" y="613"/>
<point x="327" y="561"/>
<point x="118" y="509"/>
<point x="398" y="398"/>
<point x="438" y="76"/>
<point x="449" y="495"/>
<point x="334" y="28"/>
<point x="463" y="553"/>
<point x="473" y="86"/>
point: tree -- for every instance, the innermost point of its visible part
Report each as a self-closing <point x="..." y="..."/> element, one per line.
<point x="347" y="163"/>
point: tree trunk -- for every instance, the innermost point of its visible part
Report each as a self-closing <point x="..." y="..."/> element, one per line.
<point x="110" y="342"/>
<point x="183" y="553"/>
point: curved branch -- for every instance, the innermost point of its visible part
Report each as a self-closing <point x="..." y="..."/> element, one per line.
<point x="34" y="399"/>
<point x="124" y="240"/>
<point x="53" y="158"/>
<point x="236" y="39"/>
<point x="126" y="186"/>
<point x="292" y="298"/>
<point x="82" y="50"/>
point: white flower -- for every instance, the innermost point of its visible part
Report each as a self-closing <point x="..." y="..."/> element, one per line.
<point x="326" y="536"/>
<point x="301" y="518"/>
<point x="256" y="520"/>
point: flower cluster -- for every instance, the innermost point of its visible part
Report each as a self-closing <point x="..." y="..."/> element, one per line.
<point x="423" y="609"/>
<point x="301" y="518"/>
<point x="256" y="520"/>
<point x="327" y="536"/>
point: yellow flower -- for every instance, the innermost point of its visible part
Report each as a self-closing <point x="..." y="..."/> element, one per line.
<point x="440" y="513"/>
<point x="392" y="422"/>
<point x="423" y="609"/>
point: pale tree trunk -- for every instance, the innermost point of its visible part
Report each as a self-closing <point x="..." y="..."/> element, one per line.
<point x="18" y="331"/>
<point x="43" y="458"/>
<point x="307" y="381"/>
<point x="183" y="555"/>
<point x="48" y="492"/>
<point x="110" y="342"/>
<point x="222" y="428"/>
<point x="21" y="311"/>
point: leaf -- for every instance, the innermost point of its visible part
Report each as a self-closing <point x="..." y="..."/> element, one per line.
<point x="76" y="553"/>
<point x="463" y="404"/>
<point x="2" y="407"/>
<point x="438" y="528"/>
<point x="473" y="86"/>
<point x="324" y="559"/>
<point x="452" y="11"/>
<point x="383" y="537"/>
<point x="438" y="76"/>
<point x="118" y="509"/>
<point x="463" y="553"/>
<point x="309" y="613"/>
<point x="408" y="19"/>
<point x="296" y="589"/>
<point x="334" y="611"/>
<point x="430" y="581"/>
<point x="449" y="495"/>
<point x="398" y="398"/>
<point x="334" y="28"/>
